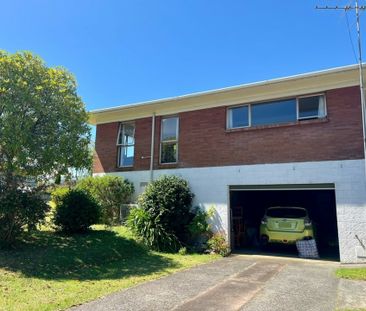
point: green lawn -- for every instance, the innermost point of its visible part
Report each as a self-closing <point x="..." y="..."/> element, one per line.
<point x="52" y="272"/>
<point x="352" y="273"/>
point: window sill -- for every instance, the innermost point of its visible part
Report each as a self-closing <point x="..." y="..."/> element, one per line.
<point x="281" y="125"/>
<point x="167" y="165"/>
<point x="124" y="168"/>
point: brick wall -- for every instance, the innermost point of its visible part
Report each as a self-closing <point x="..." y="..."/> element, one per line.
<point x="204" y="140"/>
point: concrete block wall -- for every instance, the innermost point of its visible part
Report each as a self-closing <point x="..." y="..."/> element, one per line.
<point x="211" y="188"/>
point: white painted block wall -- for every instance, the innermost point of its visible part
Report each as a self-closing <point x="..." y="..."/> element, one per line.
<point x="211" y="188"/>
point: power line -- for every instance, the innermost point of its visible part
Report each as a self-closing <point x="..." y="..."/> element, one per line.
<point x="350" y="36"/>
<point x="357" y="8"/>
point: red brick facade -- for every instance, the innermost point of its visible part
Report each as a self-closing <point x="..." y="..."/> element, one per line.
<point x="204" y="140"/>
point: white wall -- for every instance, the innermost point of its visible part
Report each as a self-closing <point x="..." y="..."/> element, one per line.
<point x="210" y="186"/>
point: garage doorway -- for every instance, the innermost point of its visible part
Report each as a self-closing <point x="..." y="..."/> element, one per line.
<point x="249" y="203"/>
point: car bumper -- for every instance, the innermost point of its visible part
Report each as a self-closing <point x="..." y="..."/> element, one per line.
<point x="285" y="236"/>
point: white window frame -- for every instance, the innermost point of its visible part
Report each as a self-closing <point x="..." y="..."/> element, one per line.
<point x="169" y="141"/>
<point x="228" y="111"/>
<point x="121" y="146"/>
<point x="311" y="117"/>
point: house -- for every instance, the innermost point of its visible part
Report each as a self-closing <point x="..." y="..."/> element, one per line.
<point x="294" y="141"/>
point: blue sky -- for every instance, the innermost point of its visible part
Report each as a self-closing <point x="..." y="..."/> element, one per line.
<point x="129" y="51"/>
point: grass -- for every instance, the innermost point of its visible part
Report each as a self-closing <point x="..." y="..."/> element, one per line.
<point x="352" y="273"/>
<point x="48" y="271"/>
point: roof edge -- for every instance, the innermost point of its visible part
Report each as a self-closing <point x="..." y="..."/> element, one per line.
<point x="227" y="89"/>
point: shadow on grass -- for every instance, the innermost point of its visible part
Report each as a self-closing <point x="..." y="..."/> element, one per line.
<point x="97" y="255"/>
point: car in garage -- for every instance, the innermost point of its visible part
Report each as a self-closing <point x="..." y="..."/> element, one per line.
<point x="285" y="225"/>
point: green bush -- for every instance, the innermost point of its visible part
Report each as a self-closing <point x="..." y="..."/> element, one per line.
<point x="218" y="245"/>
<point x="200" y="229"/>
<point x="110" y="192"/>
<point x="149" y="229"/>
<point x="76" y="212"/>
<point x="58" y="193"/>
<point x="19" y="209"/>
<point x="169" y="200"/>
<point x="163" y="214"/>
<point x="199" y="225"/>
<point x="183" y="251"/>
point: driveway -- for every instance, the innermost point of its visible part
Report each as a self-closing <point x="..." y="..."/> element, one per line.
<point x="242" y="282"/>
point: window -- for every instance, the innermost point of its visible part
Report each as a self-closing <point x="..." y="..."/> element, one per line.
<point x="277" y="112"/>
<point x="169" y="140"/>
<point x="311" y="107"/>
<point x="274" y="112"/>
<point x="283" y="212"/>
<point x="239" y="117"/>
<point x="126" y="145"/>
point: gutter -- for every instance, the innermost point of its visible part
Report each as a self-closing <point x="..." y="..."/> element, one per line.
<point x="230" y="88"/>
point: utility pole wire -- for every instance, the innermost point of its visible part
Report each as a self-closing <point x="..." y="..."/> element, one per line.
<point x="361" y="77"/>
<point x="350" y="36"/>
<point x="357" y="9"/>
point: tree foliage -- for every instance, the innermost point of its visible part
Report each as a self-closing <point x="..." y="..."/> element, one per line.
<point x="43" y="132"/>
<point x="43" y="122"/>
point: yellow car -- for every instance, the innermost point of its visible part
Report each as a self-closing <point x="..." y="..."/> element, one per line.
<point x="285" y="225"/>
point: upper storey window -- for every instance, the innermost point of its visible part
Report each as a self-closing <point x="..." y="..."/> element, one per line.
<point x="311" y="107"/>
<point x="169" y="140"/>
<point x="273" y="112"/>
<point x="239" y="116"/>
<point x="277" y="112"/>
<point x="126" y="145"/>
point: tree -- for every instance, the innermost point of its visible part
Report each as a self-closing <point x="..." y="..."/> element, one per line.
<point x="43" y="122"/>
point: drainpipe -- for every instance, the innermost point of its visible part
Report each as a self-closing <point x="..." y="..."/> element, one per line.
<point x="152" y="147"/>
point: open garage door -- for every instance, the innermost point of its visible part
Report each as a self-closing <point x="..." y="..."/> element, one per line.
<point x="248" y="205"/>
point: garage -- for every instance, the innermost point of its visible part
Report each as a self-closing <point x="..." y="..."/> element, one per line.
<point x="249" y="209"/>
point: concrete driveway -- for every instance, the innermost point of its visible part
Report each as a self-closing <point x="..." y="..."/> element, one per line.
<point x="242" y="282"/>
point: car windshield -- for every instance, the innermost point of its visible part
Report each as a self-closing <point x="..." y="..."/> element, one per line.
<point x="286" y="213"/>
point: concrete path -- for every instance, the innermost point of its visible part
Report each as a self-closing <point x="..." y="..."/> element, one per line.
<point x="351" y="295"/>
<point x="246" y="283"/>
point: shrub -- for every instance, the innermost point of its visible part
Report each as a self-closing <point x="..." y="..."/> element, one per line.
<point x="76" y="212"/>
<point x="163" y="214"/>
<point x="168" y="201"/>
<point x="200" y="229"/>
<point x="218" y="245"/>
<point x="110" y="192"/>
<point x="58" y="194"/>
<point x="19" y="209"/>
<point x="183" y="251"/>
<point x="199" y="225"/>
<point x="150" y="231"/>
